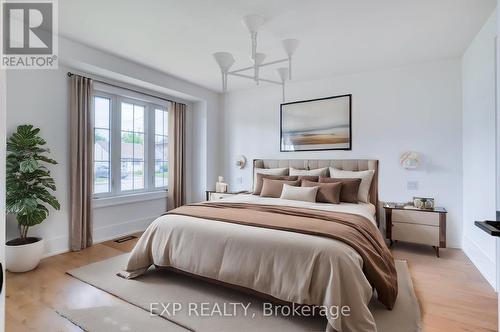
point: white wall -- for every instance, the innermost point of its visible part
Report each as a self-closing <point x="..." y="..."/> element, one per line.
<point x="414" y="108"/>
<point x="2" y="192"/>
<point x="497" y="251"/>
<point x="203" y="130"/>
<point x="40" y="97"/>
<point x="479" y="190"/>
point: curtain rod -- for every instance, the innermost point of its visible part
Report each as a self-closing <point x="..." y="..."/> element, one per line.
<point x="121" y="87"/>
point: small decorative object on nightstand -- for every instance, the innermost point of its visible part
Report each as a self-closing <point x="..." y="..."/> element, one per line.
<point x="221" y="186"/>
<point x="212" y="195"/>
<point x="409" y="224"/>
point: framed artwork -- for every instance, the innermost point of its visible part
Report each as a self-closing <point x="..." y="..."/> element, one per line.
<point x="317" y="124"/>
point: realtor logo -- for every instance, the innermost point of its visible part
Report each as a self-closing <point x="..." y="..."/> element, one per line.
<point x="29" y="32"/>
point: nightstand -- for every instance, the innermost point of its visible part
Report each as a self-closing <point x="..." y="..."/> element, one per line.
<point x="416" y="225"/>
<point x="212" y="195"/>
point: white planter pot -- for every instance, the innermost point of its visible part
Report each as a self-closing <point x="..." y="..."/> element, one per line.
<point x="25" y="257"/>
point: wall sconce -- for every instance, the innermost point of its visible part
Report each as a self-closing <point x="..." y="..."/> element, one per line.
<point x="241" y="161"/>
<point x="410" y="160"/>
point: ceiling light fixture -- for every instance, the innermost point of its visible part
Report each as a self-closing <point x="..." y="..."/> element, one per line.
<point x="225" y="60"/>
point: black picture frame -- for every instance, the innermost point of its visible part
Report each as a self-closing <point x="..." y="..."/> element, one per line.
<point x="349" y="96"/>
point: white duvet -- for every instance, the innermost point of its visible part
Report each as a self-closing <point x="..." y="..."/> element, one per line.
<point x="290" y="266"/>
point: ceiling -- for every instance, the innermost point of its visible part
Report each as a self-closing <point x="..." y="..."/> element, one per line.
<point x="178" y="37"/>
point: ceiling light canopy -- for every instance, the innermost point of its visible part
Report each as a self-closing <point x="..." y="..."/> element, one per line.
<point x="225" y="60"/>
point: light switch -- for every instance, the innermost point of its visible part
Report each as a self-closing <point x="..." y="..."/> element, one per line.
<point x="412" y="185"/>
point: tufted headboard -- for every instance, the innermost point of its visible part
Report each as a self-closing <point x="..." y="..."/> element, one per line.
<point x="344" y="164"/>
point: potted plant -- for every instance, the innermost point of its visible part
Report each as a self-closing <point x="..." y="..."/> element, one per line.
<point x="29" y="187"/>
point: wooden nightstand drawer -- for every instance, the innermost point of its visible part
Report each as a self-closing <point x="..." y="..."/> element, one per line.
<point x="217" y="196"/>
<point x="416" y="217"/>
<point x="417" y="226"/>
<point x="415" y="233"/>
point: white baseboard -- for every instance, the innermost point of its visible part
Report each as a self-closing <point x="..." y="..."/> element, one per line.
<point x="114" y="231"/>
<point x="484" y="264"/>
<point x="56" y="246"/>
<point x="60" y="245"/>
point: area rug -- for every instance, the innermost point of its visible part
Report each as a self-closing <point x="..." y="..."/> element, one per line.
<point x="190" y="304"/>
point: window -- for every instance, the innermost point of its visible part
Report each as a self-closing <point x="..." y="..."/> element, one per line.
<point x="161" y="148"/>
<point x="130" y="145"/>
<point x="102" y="130"/>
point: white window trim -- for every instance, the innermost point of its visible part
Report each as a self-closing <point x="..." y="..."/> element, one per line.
<point x="101" y="202"/>
<point x="116" y="196"/>
<point x="126" y="93"/>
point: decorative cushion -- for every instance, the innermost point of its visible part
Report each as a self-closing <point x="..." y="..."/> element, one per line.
<point x="311" y="172"/>
<point x="309" y="178"/>
<point x="327" y="192"/>
<point x="269" y="171"/>
<point x="306" y="194"/>
<point x="349" y="190"/>
<point x="366" y="180"/>
<point x="273" y="188"/>
<point x="260" y="177"/>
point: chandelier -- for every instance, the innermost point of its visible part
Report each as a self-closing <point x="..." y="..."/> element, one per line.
<point x="225" y="60"/>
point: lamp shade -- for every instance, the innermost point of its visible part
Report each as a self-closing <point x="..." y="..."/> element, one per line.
<point x="241" y="161"/>
<point x="253" y="22"/>
<point x="410" y="160"/>
<point x="283" y="72"/>
<point x="290" y="45"/>
<point x="224" y="59"/>
<point x="259" y="58"/>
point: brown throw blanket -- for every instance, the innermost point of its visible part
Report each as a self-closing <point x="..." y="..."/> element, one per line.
<point x="354" y="230"/>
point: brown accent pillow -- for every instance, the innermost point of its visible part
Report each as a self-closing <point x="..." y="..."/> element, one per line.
<point x="260" y="177"/>
<point x="273" y="188"/>
<point x="309" y="178"/>
<point x="350" y="188"/>
<point x="327" y="193"/>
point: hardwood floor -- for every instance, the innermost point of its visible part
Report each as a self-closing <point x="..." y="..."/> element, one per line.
<point x="452" y="293"/>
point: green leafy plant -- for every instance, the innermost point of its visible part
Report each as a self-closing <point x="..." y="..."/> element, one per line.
<point x="29" y="183"/>
<point x="132" y="138"/>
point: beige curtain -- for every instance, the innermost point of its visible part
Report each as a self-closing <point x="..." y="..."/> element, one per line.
<point x="176" y="155"/>
<point x="81" y="151"/>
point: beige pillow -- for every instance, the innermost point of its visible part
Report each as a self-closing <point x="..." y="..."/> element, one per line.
<point x="306" y="194"/>
<point x="366" y="180"/>
<point x="273" y="188"/>
<point x="310" y="172"/>
<point x="269" y="171"/>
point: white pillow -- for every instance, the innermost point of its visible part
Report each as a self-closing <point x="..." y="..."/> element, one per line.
<point x="311" y="172"/>
<point x="306" y="194"/>
<point x="268" y="171"/>
<point x="366" y="180"/>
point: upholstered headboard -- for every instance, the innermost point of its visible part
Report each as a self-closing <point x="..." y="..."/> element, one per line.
<point x="344" y="164"/>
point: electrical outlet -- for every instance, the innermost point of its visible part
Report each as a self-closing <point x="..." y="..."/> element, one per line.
<point x="412" y="185"/>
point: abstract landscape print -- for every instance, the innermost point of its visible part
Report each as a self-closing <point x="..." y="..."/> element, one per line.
<point x="318" y="124"/>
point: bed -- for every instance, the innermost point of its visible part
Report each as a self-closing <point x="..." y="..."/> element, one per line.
<point x="225" y="241"/>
